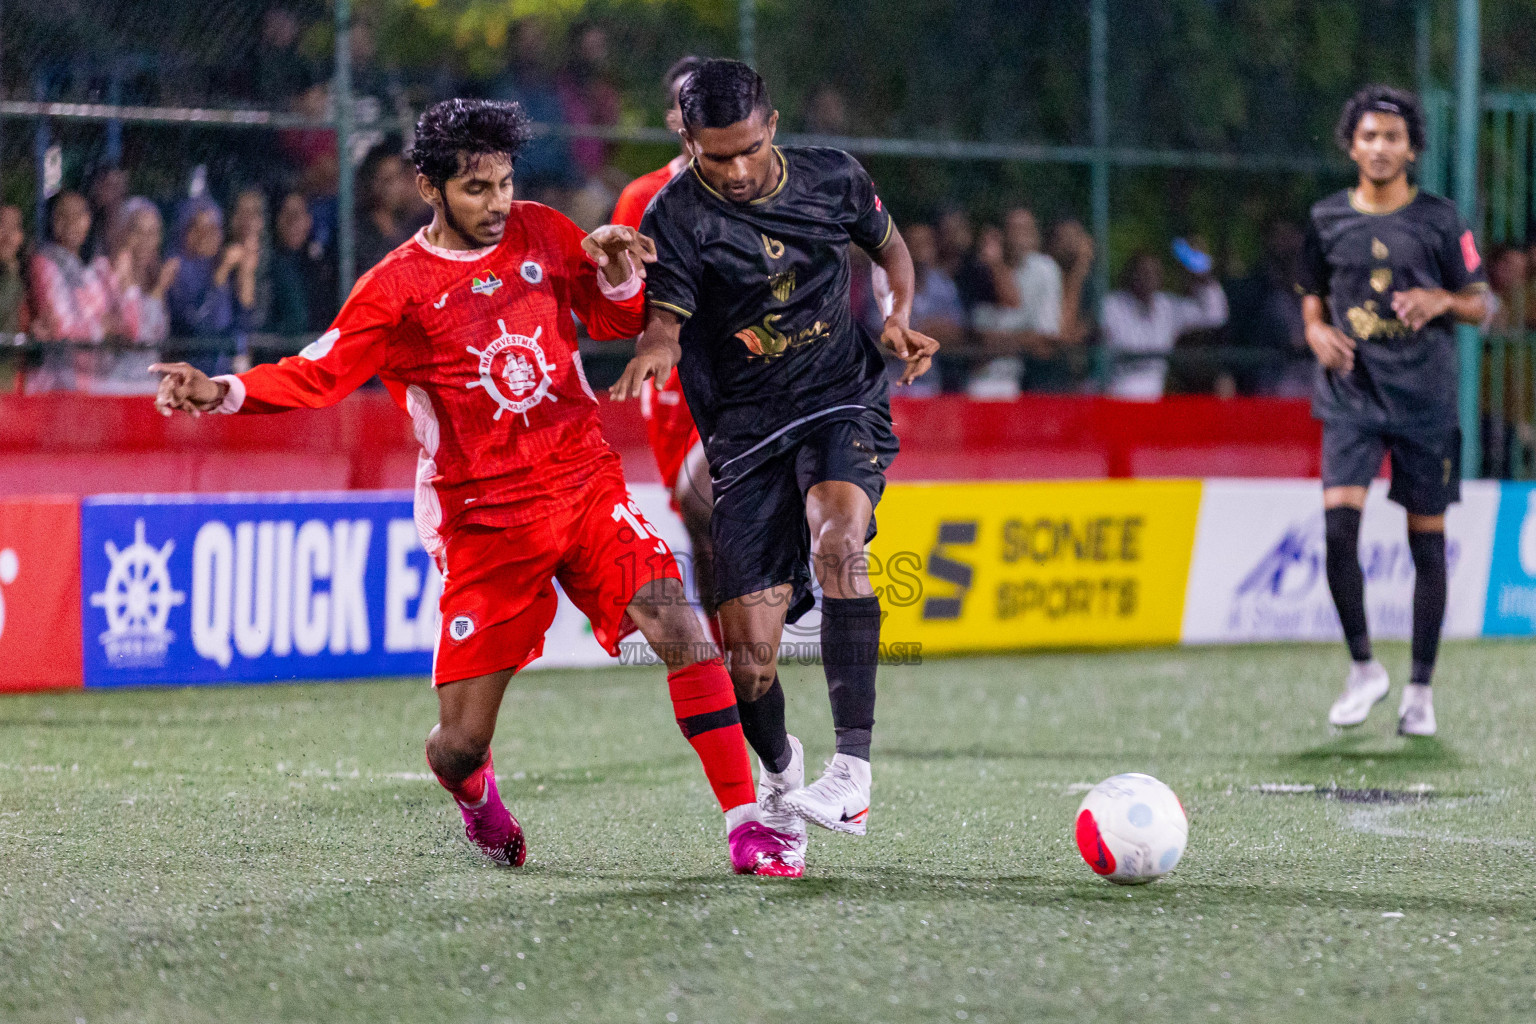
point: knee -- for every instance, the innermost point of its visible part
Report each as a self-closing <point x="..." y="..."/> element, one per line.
<point x="751" y="680"/>
<point x="456" y="749"/>
<point x="838" y="537"/>
<point x="661" y="605"/>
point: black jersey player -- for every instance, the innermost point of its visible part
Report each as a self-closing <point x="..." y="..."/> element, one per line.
<point x="1386" y="274"/>
<point x="749" y="299"/>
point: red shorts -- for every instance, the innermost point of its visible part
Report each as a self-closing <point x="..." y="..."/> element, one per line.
<point x="670" y="427"/>
<point x="498" y="581"/>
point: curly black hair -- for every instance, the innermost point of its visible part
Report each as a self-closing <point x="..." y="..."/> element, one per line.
<point x="1381" y="99"/>
<point x="722" y="93"/>
<point x="451" y="134"/>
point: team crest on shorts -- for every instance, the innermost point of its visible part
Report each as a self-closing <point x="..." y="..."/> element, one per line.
<point x="460" y="627"/>
<point x="514" y="372"/>
<point x="531" y="271"/>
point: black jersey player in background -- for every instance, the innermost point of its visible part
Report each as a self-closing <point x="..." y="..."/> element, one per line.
<point x="749" y="299"/>
<point x="1386" y="274"/>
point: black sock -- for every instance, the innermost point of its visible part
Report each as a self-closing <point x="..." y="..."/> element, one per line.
<point x="1345" y="580"/>
<point x="850" y="653"/>
<point x="762" y="722"/>
<point x="1428" y="551"/>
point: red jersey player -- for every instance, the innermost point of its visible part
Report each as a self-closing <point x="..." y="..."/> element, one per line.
<point x="469" y="324"/>
<point x="674" y="438"/>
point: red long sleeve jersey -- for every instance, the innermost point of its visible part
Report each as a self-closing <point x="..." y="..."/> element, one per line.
<point x="479" y="347"/>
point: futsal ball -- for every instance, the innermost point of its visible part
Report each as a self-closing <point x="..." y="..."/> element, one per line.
<point x="1131" y="829"/>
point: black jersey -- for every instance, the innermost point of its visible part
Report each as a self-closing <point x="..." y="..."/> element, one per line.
<point x="1355" y="260"/>
<point x="769" y="342"/>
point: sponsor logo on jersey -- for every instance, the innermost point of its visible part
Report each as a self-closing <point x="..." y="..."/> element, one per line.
<point x="137" y="597"/>
<point x="1367" y="322"/>
<point x="1379" y="249"/>
<point x="773" y="247"/>
<point x="1381" y="280"/>
<point x="487" y="286"/>
<point x="531" y="271"/>
<point x="782" y="284"/>
<point x="460" y="627"/>
<point x="766" y="340"/>
<point x="514" y="372"/>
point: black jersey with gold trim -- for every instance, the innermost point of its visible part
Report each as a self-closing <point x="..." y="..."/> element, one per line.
<point x="769" y="340"/>
<point x="1355" y="259"/>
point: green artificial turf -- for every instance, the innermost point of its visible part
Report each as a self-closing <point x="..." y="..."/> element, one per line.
<point x="276" y="853"/>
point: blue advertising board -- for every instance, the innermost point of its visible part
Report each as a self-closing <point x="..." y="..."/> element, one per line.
<point x="254" y="588"/>
<point x="1511" y="609"/>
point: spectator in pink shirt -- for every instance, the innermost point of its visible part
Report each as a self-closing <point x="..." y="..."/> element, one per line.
<point x="73" y="300"/>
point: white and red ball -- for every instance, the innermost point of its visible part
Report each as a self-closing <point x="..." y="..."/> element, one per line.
<point x="1131" y="829"/>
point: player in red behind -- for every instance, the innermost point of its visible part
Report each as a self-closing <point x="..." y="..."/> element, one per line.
<point x="469" y="324"/>
<point x="674" y="438"/>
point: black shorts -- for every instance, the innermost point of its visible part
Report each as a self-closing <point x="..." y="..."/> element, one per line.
<point x="1426" y="465"/>
<point x="761" y="536"/>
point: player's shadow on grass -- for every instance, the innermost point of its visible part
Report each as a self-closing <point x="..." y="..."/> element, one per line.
<point x="1384" y="753"/>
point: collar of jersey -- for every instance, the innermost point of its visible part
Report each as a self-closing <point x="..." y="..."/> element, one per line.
<point x="1359" y="207"/>
<point x="783" y="180"/>
<point x="461" y="255"/>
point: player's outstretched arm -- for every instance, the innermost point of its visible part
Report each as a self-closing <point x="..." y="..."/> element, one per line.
<point x="656" y="353"/>
<point x="912" y="347"/>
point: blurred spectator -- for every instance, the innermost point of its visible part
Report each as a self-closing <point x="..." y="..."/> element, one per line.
<point x="587" y="97"/>
<point x="141" y="277"/>
<point x="1507" y="273"/>
<point x="387" y="198"/>
<point x="827" y="111"/>
<point x="312" y="154"/>
<point x="140" y="280"/>
<point x="1142" y="319"/>
<point x="15" y="314"/>
<point x="248" y="227"/>
<point x="544" y="164"/>
<point x="1265" y="303"/>
<point x="280" y="72"/>
<point x="955" y="238"/>
<point x="303" y="276"/>
<point x="1025" y="315"/>
<point x="1071" y="246"/>
<point x="214" y="293"/>
<point x="107" y="191"/>
<point x="72" y="300"/>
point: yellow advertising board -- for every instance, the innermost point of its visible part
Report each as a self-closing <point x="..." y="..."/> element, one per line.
<point x="1000" y="566"/>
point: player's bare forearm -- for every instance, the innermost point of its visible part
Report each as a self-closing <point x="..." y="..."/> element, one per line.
<point x="896" y="261"/>
<point x="1418" y="306"/>
<point x="656" y="353"/>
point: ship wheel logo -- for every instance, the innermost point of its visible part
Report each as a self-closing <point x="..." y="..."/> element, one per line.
<point x="137" y="599"/>
<point x="514" y="372"/>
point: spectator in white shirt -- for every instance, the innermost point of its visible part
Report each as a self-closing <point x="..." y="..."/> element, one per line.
<point x="1142" y="318"/>
<point x="1026" y="316"/>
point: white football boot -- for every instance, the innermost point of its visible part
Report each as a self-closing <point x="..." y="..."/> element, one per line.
<point x="1416" y="715"/>
<point x="1367" y="684"/>
<point x="772" y="787"/>
<point x="839" y="800"/>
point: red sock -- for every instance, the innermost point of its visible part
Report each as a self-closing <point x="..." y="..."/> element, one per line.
<point x="705" y="705"/>
<point x="471" y="789"/>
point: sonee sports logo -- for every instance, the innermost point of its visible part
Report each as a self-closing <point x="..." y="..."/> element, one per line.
<point x="460" y="627"/>
<point x="523" y="371"/>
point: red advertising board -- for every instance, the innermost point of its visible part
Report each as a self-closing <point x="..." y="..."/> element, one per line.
<point x="40" y="642"/>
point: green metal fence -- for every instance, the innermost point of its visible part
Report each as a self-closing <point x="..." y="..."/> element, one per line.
<point x="1503" y="377"/>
